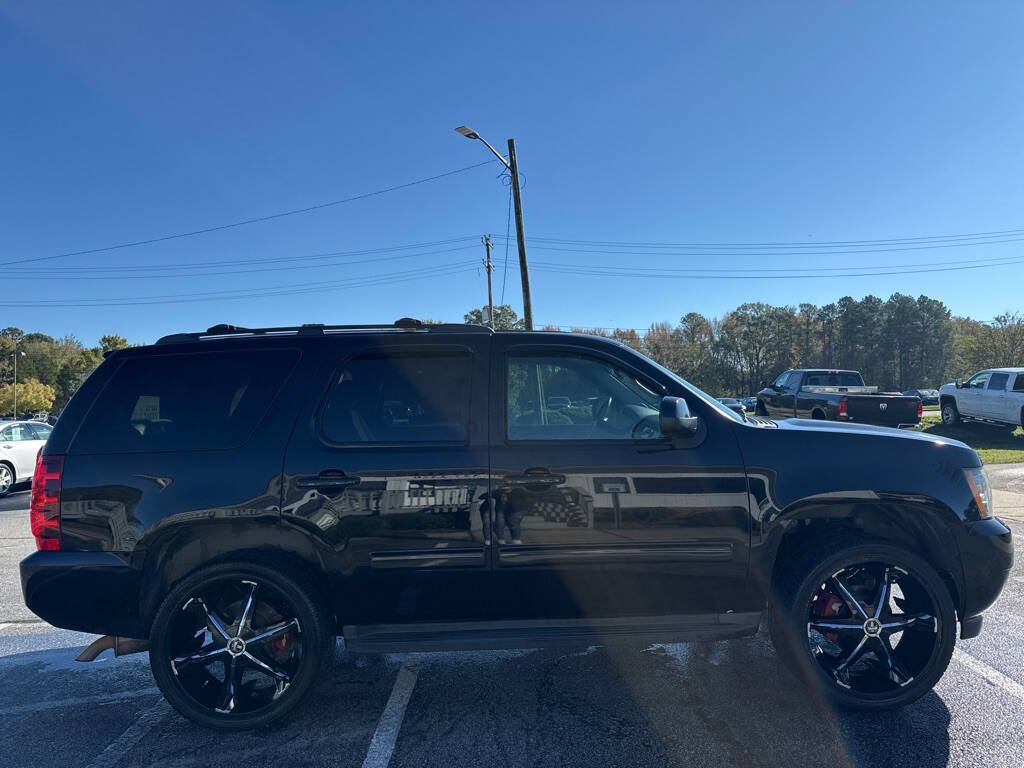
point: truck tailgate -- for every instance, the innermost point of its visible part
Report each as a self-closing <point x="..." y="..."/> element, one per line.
<point x="889" y="411"/>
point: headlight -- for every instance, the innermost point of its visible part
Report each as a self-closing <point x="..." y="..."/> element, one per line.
<point x="978" y="481"/>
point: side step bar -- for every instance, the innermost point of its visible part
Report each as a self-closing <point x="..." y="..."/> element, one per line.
<point x="496" y="635"/>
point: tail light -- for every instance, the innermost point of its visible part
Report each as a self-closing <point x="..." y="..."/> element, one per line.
<point x="45" y="511"/>
<point x="843" y="409"/>
<point x="920" y="410"/>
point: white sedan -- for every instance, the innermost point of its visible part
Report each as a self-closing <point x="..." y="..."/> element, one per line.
<point x="20" y="442"/>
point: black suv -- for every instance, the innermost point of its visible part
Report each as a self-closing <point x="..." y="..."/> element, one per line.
<point x="235" y="499"/>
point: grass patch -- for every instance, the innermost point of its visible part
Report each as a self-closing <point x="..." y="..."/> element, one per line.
<point x="994" y="445"/>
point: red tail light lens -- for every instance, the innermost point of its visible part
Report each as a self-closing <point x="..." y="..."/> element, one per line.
<point x="843" y="409"/>
<point x="920" y="410"/>
<point x="45" y="512"/>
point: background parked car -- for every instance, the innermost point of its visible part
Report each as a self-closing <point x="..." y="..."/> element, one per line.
<point x="20" y="442"/>
<point x="750" y="403"/>
<point x="927" y="396"/>
<point x="995" y="396"/>
<point x="732" y="404"/>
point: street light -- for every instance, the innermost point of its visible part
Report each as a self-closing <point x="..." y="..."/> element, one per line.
<point x="15" y="355"/>
<point x="513" y="169"/>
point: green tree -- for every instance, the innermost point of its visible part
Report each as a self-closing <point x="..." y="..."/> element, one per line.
<point x="112" y="341"/>
<point x="505" y="318"/>
<point x="32" y="396"/>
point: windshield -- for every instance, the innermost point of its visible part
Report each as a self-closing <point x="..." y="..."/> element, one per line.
<point x="703" y="396"/>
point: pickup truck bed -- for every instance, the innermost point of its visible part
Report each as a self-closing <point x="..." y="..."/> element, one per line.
<point x="844" y="398"/>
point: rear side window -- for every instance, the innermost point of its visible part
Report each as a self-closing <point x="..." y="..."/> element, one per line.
<point x="400" y="398"/>
<point x="42" y="431"/>
<point x="998" y="381"/>
<point x="1018" y="384"/>
<point x="195" y="402"/>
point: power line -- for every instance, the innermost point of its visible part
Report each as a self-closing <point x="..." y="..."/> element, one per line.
<point x="284" y="290"/>
<point x="790" y="244"/>
<point x="289" y="268"/>
<point x="255" y="220"/>
<point x="575" y="269"/>
<point x="623" y="251"/>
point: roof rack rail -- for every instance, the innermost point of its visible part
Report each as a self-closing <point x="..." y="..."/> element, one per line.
<point x="402" y="325"/>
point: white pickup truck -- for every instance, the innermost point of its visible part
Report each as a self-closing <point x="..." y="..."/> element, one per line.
<point x="995" y="396"/>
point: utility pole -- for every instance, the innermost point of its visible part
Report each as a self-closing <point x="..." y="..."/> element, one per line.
<point x="524" y="269"/>
<point x="513" y="169"/>
<point x="486" y="239"/>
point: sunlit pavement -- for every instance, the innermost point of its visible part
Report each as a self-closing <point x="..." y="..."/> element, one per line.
<point x="728" y="703"/>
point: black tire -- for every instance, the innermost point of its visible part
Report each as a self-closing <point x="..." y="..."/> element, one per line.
<point x="820" y="647"/>
<point x="205" y="614"/>
<point x="950" y="413"/>
<point x="760" y="410"/>
<point x="6" y="478"/>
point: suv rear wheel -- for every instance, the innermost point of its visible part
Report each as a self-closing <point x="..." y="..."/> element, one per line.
<point x="238" y="645"/>
<point x="871" y="626"/>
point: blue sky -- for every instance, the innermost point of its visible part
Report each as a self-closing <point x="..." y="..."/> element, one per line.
<point x="734" y="122"/>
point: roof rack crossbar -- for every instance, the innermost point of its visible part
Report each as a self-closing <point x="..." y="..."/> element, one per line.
<point x="405" y="324"/>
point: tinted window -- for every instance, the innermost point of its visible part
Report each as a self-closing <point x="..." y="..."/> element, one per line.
<point x="400" y="398"/>
<point x="998" y="381"/>
<point x="833" y="379"/>
<point x="571" y="397"/>
<point x="1018" y="384"/>
<point x="184" y="402"/>
<point x="781" y="381"/>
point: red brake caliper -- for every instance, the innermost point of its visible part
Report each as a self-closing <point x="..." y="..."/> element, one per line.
<point x="827" y="606"/>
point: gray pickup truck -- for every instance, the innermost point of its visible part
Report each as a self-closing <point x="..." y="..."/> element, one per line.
<point x="835" y="396"/>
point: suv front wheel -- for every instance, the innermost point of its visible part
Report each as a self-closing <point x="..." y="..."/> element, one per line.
<point x="238" y="645"/>
<point x="870" y="626"/>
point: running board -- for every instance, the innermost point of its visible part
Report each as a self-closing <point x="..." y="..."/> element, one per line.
<point x="496" y="635"/>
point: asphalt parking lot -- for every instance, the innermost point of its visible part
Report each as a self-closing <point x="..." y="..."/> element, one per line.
<point x="727" y="703"/>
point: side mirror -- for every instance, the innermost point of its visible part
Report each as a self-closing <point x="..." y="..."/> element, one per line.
<point x="763" y="384"/>
<point x="959" y="384"/>
<point x="675" y="418"/>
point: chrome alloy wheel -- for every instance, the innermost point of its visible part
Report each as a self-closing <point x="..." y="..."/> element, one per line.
<point x="872" y="628"/>
<point x="235" y="648"/>
<point x="6" y="479"/>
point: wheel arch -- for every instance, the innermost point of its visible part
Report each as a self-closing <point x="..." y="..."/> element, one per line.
<point x="178" y="552"/>
<point x="920" y="525"/>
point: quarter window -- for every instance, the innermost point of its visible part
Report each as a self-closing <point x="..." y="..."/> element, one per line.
<point x="573" y="397"/>
<point x="400" y="398"/>
<point x="184" y="402"/>
<point x="1018" y="383"/>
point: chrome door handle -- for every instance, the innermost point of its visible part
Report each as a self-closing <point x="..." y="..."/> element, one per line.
<point x="326" y="482"/>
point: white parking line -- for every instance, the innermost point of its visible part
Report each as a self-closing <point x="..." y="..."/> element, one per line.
<point x="384" y="738"/>
<point x="118" y="748"/>
<point x="102" y="698"/>
<point x="994" y="676"/>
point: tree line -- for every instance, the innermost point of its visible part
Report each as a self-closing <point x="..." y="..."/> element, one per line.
<point x="898" y="344"/>
<point x="49" y="369"/>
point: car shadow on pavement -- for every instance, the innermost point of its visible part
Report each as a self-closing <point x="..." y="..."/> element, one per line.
<point x="729" y="703"/>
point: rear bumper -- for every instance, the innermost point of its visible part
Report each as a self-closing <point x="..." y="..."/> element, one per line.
<point x="85" y="591"/>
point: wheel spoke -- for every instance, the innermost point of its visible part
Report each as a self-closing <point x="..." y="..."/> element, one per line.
<point x="245" y="621"/>
<point x="204" y="655"/>
<point x="273" y="631"/>
<point x="902" y="621"/>
<point x="842" y="669"/>
<point x="850" y="600"/>
<point x="882" y="601"/>
<point x="893" y="670"/>
<point x="266" y="668"/>
<point x="232" y="677"/>
<point x="835" y="626"/>
<point x="212" y="621"/>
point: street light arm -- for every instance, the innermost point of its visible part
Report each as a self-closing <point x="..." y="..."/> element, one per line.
<point x="469" y="133"/>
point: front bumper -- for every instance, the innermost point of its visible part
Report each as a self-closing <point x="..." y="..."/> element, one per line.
<point x="94" y="592"/>
<point x="987" y="555"/>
